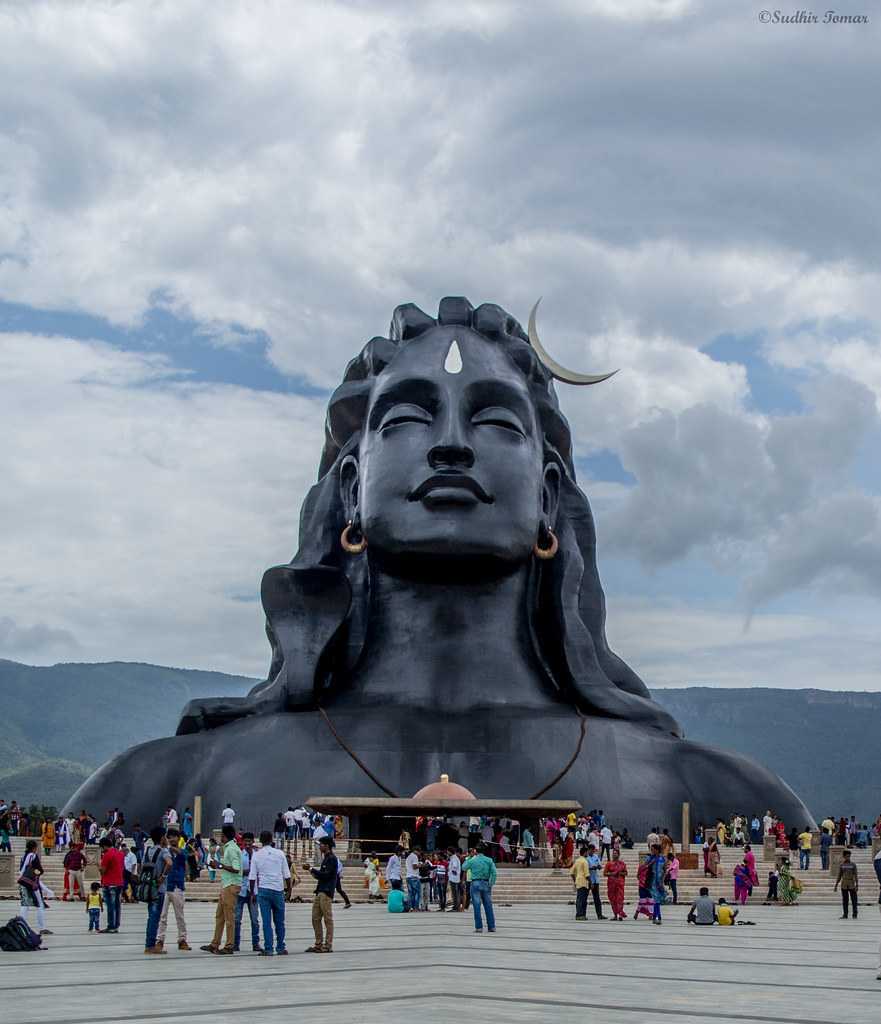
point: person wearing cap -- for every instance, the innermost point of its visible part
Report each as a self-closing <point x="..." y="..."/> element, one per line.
<point x="322" y="901"/>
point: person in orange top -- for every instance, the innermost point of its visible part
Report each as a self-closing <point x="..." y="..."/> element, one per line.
<point x="615" y="871"/>
<point x="47" y="834"/>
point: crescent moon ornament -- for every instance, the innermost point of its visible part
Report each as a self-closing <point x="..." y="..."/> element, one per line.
<point x="557" y="371"/>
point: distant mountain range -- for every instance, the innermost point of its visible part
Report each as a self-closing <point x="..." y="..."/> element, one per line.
<point x="60" y="723"/>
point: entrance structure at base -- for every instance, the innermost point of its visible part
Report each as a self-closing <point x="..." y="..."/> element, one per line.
<point x="443" y="610"/>
<point x="376" y="820"/>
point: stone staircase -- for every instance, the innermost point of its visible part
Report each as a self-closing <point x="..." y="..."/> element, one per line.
<point x="537" y="884"/>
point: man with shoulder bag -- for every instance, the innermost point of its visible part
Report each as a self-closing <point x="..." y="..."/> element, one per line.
<point x="152" y="886"/>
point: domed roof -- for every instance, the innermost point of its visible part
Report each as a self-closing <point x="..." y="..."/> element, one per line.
<point x="444" y="790"/>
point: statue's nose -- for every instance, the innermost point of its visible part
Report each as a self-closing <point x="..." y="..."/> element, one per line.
<point x="449" y="456"/>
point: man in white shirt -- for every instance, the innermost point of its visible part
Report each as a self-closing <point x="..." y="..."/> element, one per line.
<point x="413" y="885"/>
<point x="228" y="815"/>
<point x="290" y="825"/>
<point x="393" y="869"/>
<point x="454" y="878"/>
<point x="172" y="817"/>
<point x="767" y="822"/>
<point x="266" y="878"/>
<point x="606" y="842"/>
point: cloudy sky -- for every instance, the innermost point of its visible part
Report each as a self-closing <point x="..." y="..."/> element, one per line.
<point x="206" y="209"/>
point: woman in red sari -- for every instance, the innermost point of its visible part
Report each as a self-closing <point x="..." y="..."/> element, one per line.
<point x="569" y="849"/>
<point x="615" y="871"/>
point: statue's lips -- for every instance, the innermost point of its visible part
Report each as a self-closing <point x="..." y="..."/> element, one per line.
<point x="450" y="489"/>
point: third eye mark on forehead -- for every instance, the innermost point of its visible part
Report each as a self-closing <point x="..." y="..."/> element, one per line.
<point x="427" y="394"/>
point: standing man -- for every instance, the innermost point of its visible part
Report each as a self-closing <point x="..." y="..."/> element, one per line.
<point x="580" y="873"/>
<point x="528" y="844"/>
<point x="74" y="865"/>
<point x="266" y="877"/>
<point x="594" y="863"/>
<point x="244" y="898"/>
<point x="483" y="878"/>
<point x="606" y="841"/>
<point x="290" y="828"/>
<point x="454" y="877"/>
<point x="825" y="843"/>
<point x="322" y="901"/>
<point x="228" y="815"/>
<point x="392" y="868"/>
<point x="230" y="864"/>
<point x="154" y="872"/>
<point x="414" y="886"/>
<point x="175" y="884"/>
<point x="849" y="882"/>
<point x="804" y="849"/>
<point x="112" y="870"/>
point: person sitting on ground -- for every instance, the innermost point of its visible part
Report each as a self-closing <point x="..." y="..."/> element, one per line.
<point x="724" y="914"/>
<point x="703" y="910"/>
<point x="396" y="901"/>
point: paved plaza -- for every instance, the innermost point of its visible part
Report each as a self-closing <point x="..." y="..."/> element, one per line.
<point x="796" y="965"/>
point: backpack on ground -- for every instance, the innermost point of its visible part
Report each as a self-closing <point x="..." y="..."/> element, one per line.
<point x="16" y="936"/>
<point x="148" y="884"/>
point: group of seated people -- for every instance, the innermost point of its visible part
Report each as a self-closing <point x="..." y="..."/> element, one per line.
<point x="706" y="910"/>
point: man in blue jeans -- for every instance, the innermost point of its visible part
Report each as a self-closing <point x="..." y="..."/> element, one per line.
<point x="483" y="878"/>
<point x="414" y="887"/>
<point x="244" y="899"/>
<point x="154" y="883"/>
<point x="266" y="877"/>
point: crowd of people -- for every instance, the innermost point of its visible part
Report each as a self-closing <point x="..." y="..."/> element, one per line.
<point x="454" y="869"/>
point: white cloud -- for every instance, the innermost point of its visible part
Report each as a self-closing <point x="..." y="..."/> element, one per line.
<point x="302" y="169"/>
<point x="676" y="644"/>
<point x="649" y="166"/>
<point x="140" y="509"/>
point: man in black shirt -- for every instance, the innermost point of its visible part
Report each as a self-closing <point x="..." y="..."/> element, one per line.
<point x="322" y="901"/>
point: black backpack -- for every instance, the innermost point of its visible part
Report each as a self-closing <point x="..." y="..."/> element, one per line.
<point x="16" y="936"/>
<point x="148" y="885"/>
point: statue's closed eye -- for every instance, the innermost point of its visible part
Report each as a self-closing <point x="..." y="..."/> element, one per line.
<point x="405" y="413"/>
<point x="497" y="416"/>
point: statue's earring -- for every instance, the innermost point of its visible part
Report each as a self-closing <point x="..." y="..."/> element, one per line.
<point x="351" y="546"/>
<point x="551" y="549"/>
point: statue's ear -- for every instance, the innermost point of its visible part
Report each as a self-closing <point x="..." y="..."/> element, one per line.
<point x="550" y="492"/>
<point x="349" y="486"/>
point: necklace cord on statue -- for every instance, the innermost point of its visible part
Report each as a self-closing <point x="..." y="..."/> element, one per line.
<point x="345" y="746"/>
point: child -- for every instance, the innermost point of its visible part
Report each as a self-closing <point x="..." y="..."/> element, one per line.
<point x="724" y="914"/>
<point x="94" y="906"/>
<point x="212" y="857"/>
<point x="773" y="877"/>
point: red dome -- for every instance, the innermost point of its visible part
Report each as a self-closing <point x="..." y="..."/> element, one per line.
<point x="444" y="790"/>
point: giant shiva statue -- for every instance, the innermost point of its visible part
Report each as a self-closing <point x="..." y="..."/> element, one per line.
<point x="443" y="614"/>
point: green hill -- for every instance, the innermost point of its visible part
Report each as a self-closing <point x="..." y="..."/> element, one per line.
<point x="60" y="723"/>
<point x="824" y="743"/>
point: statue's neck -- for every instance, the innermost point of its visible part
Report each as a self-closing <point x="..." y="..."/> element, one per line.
<point x="449" y="644"/>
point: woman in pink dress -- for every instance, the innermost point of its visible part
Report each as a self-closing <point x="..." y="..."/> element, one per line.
<point x="742" y="884"/>
<point x="749" y="858"/>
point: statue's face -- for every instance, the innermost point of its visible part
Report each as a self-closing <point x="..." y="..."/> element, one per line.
<point x="450" y="463"/>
